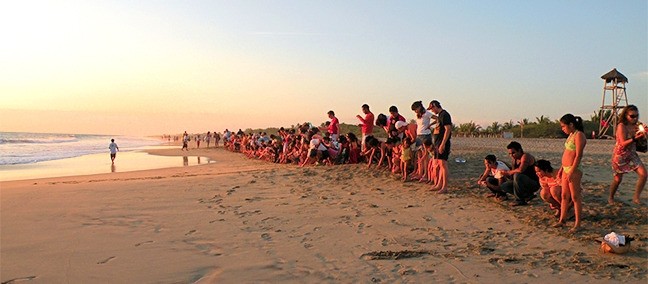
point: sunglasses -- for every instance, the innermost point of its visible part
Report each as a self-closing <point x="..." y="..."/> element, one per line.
<point x="633" y="115"/>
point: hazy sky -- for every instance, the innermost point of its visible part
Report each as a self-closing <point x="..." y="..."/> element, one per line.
<point x="153" y="67"/>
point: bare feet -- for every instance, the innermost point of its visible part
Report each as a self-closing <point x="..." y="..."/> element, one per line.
<point x="559" y="224"/>
<point x="636" y="200"/>
<point x="611" y="201"/>
<point x="442" y="191"/>
<point x="574" y="230"/>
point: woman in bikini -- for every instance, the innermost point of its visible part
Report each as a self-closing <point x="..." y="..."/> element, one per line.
<point x="571" y="171"/>
<point x="625" y="158"/>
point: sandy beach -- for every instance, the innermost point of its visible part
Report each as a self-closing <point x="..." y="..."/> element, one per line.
<point x="238" y="220"/>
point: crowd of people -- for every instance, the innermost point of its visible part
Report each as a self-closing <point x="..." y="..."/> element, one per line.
<point x="413" y="151"/>
<point x="561" y="188"/>
<point x="420" y="151"/>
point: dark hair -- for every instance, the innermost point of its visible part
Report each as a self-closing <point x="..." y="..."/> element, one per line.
<point x="490" y="158"/>
<point x="416" y="105"/>
<point x="515" y="146"/>
<point x="381" y="120"/>
<point x="393" y="109"/>
<point x="352" y="137"/>
<point x="372" y="141"/>
<point x="408" y="141"/>
<point x="544" y="166"/>
<point x="365" y="106"/>
<point x="435" y="103"/>
<point x="112" y="140"/>
<point x="342" y="139"/>
<point x="623" y="117"/>
<point x="331" y="112"/>
<point x="427" y="142"/>
<point x="418" y="108"/>
<point x="577" y="121"/>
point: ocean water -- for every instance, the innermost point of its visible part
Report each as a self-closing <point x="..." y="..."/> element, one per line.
<point x="17" y="148"/>
<point x="43" y="155"/>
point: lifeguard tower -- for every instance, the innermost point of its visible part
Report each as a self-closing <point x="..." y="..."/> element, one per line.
<point x="614" y="99"/>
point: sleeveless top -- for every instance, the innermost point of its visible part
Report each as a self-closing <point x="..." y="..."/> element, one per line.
<point x="529" y="171"/>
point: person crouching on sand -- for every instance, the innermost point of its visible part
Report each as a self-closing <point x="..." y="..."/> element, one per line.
<point x="494" y="176"/>
<point x="550" y="185"/>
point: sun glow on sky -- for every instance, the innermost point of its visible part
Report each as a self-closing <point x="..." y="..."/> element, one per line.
<point x="153" y="67"/>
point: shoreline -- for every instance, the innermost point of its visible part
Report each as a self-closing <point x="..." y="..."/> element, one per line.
<point x="245" y="220"/>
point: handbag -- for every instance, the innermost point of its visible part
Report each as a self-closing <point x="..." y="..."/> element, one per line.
<point x="642" y="145"/>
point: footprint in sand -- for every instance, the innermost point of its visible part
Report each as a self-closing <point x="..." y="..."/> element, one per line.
<point x="266" y="237"/>
<point x="106" y="260"/>
<point x="361" y="228"/>
<point x="190" y="232"/>
<point x="144" y="243"/>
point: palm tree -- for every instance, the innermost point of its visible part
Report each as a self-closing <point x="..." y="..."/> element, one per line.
<point x="507" y="125"/>
<point x="543" y="120"/>
<point x="494" y="128"/>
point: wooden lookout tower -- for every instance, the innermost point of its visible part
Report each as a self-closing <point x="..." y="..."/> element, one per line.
<point x="614" y="99"/>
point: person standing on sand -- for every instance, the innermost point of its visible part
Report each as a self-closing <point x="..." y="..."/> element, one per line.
<point x="571" y="170"/>
<point x="367" y="124"/>
<point x="442" y="134"/>
<point x="624" y="157"/>
<point x="185" y="141"/>
<point x="113" y="150"/>
<point x="334" y="127"/>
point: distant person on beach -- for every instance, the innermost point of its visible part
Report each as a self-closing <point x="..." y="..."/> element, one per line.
<point x="394" y="117"/>
<point x="208" y="138"/>
<point x="441" y="137"/>
<point x="113" y="150"/>
<point x="494" y="176"/>
<point x="406" y="156"/>
<point x="571" y="170"/>
<point x="367" y="123"/>
<point x="625" y="158"/>
<point x="550" y="185"/>
<point x="185" y="141"/>
<point x="197" y="141"/>
<point x="217" y="138"/>
<point x="523" y="181"/>
<point x="334" y="127"/>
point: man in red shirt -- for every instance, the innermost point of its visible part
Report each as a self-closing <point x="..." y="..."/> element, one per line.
<point x="367" y="123"/>
<point x="334" y="127"/>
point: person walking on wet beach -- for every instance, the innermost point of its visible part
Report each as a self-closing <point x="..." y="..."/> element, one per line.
<point x="113" y="150"/>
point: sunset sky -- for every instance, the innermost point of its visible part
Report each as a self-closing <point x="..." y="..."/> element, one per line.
<point x="155" y="67"/>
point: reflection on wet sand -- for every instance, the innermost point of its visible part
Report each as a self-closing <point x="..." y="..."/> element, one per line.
<point x="185" y="161"/>
<point x="113" y="168"/>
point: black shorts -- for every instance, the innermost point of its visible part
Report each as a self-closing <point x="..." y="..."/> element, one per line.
<point x="446" y="151"/>
<point x="113" y="155"/>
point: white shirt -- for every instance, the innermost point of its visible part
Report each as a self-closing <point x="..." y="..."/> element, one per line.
<point x="423" y="124"/>
<point x="497" y="172"/>
<point x="112" y="147"/>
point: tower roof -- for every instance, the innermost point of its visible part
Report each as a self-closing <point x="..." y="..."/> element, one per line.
<point x="614" y="74"/>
